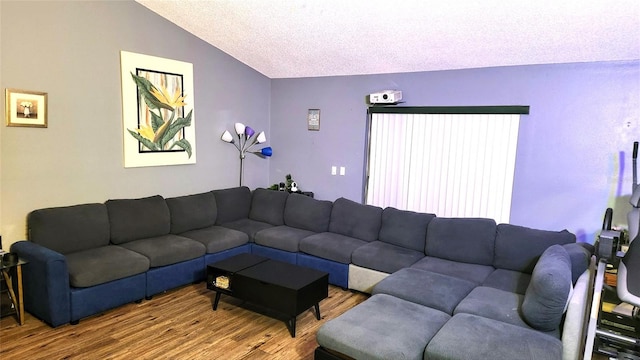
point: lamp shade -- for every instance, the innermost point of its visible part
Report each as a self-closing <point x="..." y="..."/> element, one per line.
<point x="226" y="137"/>
<point x="261" y="138"/>
<point x="239" y="128"/>
<point x="248" y="131"/>
<point x="266" y="151"/>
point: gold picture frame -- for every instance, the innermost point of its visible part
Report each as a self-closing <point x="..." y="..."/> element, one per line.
<point x="26" y="108"/>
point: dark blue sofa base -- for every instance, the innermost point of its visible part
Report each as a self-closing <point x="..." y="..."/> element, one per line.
<point x="45" y="277"/>
<point x="211" y="258"/>
<point x="276" y="254"/>
<point x="49" y="297"/>
<point x="96" y="299"/>
<point x="338" y="272"/>
<point x="164" y="278"/>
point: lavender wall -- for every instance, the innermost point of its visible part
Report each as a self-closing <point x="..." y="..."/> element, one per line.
<point x="583" y="121"/>
<point x="71" y="50"/>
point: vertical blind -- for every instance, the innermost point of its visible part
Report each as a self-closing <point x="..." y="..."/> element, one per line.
<point x="452" y="165"/>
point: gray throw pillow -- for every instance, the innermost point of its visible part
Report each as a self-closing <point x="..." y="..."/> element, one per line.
<point x="549" y="289"/>
<point x="580" y="256"/>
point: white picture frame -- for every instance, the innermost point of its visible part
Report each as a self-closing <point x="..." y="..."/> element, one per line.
<point x="143" y="143"/>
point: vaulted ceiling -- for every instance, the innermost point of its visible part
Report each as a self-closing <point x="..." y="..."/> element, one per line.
<point x="298" y="38"/>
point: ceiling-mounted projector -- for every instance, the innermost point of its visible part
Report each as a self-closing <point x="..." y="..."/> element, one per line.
<point x="386" y="97"/>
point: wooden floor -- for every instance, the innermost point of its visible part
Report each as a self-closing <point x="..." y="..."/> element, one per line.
<point x="179" y="324"/>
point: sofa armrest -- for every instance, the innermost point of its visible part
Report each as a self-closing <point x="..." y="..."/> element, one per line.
<point x="45" y="280"/>
<point x="576" y="318"/>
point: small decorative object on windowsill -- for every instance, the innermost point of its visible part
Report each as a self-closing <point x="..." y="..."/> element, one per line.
<point x="247" y="138"/>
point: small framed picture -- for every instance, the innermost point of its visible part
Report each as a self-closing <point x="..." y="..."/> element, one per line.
<point x="313" y="119"/>
<point x="26" y="108"/>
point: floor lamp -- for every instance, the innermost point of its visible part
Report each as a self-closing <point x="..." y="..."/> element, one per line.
<point x="246" y="138"/>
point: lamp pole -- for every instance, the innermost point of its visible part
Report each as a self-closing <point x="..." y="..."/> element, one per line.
<point x="247" y="138"/>
<point x="241" y="166"/>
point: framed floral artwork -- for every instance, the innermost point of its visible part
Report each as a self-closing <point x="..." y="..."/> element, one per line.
<point x="26" y="108"/>
<point x="157" y="111"/>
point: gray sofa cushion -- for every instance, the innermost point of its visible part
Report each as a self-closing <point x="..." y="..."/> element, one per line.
<point x="470" y="272"/>
<point x="494" y="304"/>
<point x="549" y="289"/>
<point x="166" y="249"/>
<point x="381" y="256"/>
<point x="70" y="228"/>
<point x="192" y="212"/>
<point x="305" y="212"/>
<point x="404" y="228"/>
<point x="426" y="288"/>
<point x="508" y="280"/>
<point x="248" y="226"/>
<point x="132" y="219"/>
<point x="268" y="206"/>
<point x="355" y="220"/>
<point x="580" y="258"/>
<point x="233" y="204"/>
<point x="468" y="336"/>
<point x="331" y="246"/>
<point x="469" y="240"/>
<point x="382" y="327"/>
<point x="282" y="237"/>
<point x="217" y="238"/>
<point x="518" y="248"/>
<point x="103" y="264"/>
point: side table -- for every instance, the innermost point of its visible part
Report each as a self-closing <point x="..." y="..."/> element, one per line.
<point x="12" y="274"/>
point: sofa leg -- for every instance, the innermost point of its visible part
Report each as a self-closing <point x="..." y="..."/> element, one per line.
<point x="148" y="297"/>
<point x="139" y="301"/>
<point x="75" y="322"/>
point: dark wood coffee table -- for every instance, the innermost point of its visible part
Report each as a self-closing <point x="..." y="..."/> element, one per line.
<point x="284" y="288"/>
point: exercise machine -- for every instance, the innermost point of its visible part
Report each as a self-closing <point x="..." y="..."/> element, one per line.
<point x="616" y="333"/>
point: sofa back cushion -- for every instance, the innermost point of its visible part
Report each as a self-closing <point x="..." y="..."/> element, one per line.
<point x="404" y="228"/>
<point x="268" y="206"/>
<point x="191" y="212"/>
<point x="518" y="248"/>
<point x="233" y="204"/>
<point x="356" y="220"/>
<point x="548" y="292"/>
<point x="304" y="212"/>
<point x="580" y="255"/>
<point x="133" y="219"/>
<point x="469" y="240"/>
<point x="70" y="229"/>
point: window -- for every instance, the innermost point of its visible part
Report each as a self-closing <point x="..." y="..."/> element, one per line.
<point x="453" y="162"/>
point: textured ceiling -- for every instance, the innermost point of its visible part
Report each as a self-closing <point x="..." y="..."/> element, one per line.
<point x="297" y="38"/>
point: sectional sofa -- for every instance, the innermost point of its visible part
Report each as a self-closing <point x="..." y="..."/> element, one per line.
<point x="439" y="281"/>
